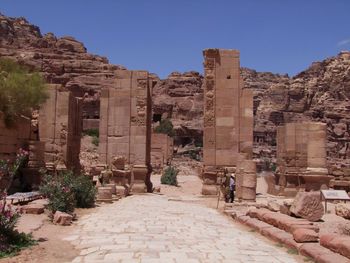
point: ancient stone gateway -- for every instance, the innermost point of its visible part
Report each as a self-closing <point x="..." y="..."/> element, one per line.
<point x="228" y="116"/>
<point x="125" y="125"/>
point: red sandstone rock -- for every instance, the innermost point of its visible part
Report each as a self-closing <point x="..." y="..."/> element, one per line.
<point x="308" y="205"/>
<point x="256" y="224"/>
<point x="336" y="243"/>
<point x="302" y="235"/>
<point x="33" y="209"/>
<point x="321" y="254"/>
<point x="62" y="219"/>
<point x="343" y="210"/>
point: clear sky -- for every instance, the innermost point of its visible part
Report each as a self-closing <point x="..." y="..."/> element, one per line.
<point x="281" y="36"/>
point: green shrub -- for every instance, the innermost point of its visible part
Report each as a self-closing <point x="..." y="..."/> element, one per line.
<point x="165" y="127"/>
<point x="95" y="141"/>
<point x="85" y="191"/>
<point x="12" y="244"/>
<point x="67" y="191"/>
<point x="169" y="176"/>
<point x="92" y="132"/>
<point x="20" y="90"/>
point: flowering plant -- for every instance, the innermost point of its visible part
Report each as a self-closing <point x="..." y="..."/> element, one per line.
<point x="9" y="216"/>
<point x="10" y="169"/>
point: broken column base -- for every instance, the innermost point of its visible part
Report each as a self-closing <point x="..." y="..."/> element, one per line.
<point x="209" y="177"/>
<point x="141" y="179"/>
<point x="104" y="195"/>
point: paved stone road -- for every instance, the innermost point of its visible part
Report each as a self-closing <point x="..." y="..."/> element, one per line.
<point x="149" y="228"/>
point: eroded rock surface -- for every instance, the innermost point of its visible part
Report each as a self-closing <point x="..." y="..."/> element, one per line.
<point x="308" y="205"/>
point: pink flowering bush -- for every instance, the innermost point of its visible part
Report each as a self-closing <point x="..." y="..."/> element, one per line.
<point x="11" y="241"/>
<point x="67" y="191"/>
<point x="8" y="216"/>
<point x="59" y="191"/>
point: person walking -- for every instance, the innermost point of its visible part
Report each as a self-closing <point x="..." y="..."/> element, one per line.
<point x="232" y="188"/>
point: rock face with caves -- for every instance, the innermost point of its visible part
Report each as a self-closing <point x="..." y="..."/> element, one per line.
<point x="180" y="97"/>
<point x="320" y="93"/>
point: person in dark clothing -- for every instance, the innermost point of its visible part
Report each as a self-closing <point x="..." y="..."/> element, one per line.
<point x="232" y="188"/>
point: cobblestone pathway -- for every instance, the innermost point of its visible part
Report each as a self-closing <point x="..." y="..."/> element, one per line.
<point x="149" y="228"/>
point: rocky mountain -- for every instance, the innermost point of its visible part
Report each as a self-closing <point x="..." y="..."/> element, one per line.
<point x="180" y="97"/>
<point x="61" y="60"/>
<point x="319" y="93"/>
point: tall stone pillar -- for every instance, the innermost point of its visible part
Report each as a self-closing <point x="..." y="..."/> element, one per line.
<point x="228" y="115"/>
<point x="125" y="124"/>
<point x="60" y="126"/>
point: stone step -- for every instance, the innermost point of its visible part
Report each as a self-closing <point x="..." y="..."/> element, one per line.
<point x="281" y="221"/>
<point x="312" y="250"/>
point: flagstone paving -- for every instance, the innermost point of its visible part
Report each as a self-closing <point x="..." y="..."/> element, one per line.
<point x="149" y="228"/>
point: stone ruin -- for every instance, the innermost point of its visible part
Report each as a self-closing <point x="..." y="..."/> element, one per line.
<point x="52" y="137"/>
<point x="162" y="148"/>
<point x="301" y="159"/>
<point x="228" y="120"/>
<point x="60" y="127"/>
<point x="125" y="125"/>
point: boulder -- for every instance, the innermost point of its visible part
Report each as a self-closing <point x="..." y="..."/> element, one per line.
<point x="35" y="209"/>
<point x="285" y="207"/>
<point x="273" y="206"/>
<point x="308" y="205"/>
<point x="303" y="235"/>
<point x="343" y="210"/>
<point x="62" y="219"/>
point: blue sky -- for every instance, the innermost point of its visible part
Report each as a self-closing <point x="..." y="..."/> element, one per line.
<point x="281" y="36"/>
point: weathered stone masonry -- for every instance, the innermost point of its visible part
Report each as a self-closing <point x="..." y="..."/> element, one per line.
<point x="228" y="115"/>
<point x="125" y="124"/>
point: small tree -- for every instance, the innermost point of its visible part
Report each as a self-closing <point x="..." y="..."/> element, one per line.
<point x="165" y="127"/>
<point x="20" y="90"/>
<point x="169" y="176"/>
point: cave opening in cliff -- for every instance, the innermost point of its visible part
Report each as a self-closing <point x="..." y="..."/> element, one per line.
<point x="157" y="117"/>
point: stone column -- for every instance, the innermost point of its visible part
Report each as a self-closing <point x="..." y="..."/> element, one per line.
<point x="228" y="115"/>
<point x="301" y="156"/>
<point x="246" y="179"/>
<point x="125" y="124"/>
<point x="246" y="123"/>
<point x="316" y="174"/>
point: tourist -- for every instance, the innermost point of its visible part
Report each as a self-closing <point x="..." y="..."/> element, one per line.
<point x="232" y="188"/>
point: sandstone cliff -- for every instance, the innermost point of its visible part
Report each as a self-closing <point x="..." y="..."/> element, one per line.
<point x="180" y="97"/>
<point x="320" y="93"/>
<point x="61" y="60"/>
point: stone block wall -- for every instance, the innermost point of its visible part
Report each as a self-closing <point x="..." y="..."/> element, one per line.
<point x="60" y="127"/>
<point x="161" y="150"/>
<point x="125" y="123"/>
<point x="228" y="115"/>
<point x="301" y="155"/>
